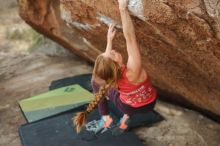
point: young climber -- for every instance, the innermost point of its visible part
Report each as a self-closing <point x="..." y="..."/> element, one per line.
<point x="128" y="86"/>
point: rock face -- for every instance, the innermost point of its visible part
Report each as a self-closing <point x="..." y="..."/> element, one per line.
<point x="179" y="40"/>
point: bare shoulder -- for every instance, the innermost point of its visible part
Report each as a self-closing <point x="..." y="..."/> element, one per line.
<point x="136" y="78"/>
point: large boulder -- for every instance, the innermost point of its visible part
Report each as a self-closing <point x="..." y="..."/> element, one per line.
<point x="179" y="40"/>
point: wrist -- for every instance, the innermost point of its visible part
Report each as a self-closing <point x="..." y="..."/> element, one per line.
<point x="123" y="9"/>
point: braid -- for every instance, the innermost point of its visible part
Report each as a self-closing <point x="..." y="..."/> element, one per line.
<point x="80" y="118"/>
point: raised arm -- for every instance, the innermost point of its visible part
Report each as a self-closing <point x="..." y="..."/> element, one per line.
<point x="110" y="36"/>
<point x="134" y="57"/>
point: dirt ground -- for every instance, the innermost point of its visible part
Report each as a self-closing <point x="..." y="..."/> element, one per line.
<point x="24" y="73"/>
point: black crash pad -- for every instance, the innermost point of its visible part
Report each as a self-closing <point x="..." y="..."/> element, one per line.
<point x="83" y="80"/>
<point x="58" y="131"/>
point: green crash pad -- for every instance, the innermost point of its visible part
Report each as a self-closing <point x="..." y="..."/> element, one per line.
<point x="54" y="102"/>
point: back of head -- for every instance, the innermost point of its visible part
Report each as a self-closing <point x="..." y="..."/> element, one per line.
<point x="106" y="69"/>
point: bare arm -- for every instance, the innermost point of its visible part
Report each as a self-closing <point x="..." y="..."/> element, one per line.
<point x="110" y="37"/>
<point x="109" y="46"/>
<point x="134" y="57"/>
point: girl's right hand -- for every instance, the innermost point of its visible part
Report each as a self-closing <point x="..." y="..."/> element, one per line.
<point x="123" y="4"/>
<point x="111" y="32"/>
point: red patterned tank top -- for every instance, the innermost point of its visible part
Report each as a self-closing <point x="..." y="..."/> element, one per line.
<point x="135" y="95"/>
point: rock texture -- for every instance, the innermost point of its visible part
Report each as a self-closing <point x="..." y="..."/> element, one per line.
<point x="179" y="39"/>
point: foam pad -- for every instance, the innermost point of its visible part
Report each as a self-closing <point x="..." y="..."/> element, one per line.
<point x="54" y="102"/>
<point x="59" y="131"/>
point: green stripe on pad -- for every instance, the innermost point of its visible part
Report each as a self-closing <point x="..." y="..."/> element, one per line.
<point x="41" y="114"/>
<point x="55" y="101"/>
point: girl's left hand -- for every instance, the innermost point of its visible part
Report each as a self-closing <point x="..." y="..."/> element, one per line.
<point x="111" y="32"/>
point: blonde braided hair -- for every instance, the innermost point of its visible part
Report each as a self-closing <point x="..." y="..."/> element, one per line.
<point x="81" y="117"/>
<point x="108" y="70"/>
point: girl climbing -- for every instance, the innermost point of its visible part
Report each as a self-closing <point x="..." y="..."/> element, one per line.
<point x="127" y="86"/>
